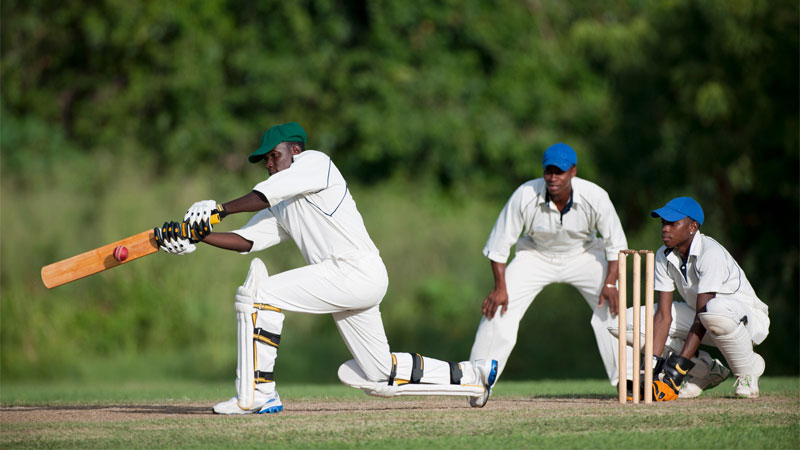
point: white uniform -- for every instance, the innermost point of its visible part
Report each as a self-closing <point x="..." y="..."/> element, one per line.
<point x="555" y="247"/>
<point x="345" y="276"/>
<point x="709" y="268"/>
<point x="310" y="203"/>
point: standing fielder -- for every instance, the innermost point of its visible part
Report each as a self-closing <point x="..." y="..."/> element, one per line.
<point x="721" y="309"/>
<point x="559" y="217"/>
<point x="306" y="199"/>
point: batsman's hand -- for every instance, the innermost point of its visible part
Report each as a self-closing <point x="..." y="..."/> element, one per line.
<point x="173" y="238"/>
<point x="200" y="230"/>
<point x="200" y="211"/>
<point x="498" y="298"/>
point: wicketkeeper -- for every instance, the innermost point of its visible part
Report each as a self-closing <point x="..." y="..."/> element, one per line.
<point x="720" y="309"/>
<point x="306" y="199"/>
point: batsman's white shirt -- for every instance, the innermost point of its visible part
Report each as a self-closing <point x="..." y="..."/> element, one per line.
<point x="311" y="204"/>
<point x="552" y="247"/>
<point x="710" y="268"/>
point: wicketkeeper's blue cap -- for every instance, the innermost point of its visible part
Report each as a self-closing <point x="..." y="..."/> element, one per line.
<point x="678" y="208"/>
<point x="560" y="155"/>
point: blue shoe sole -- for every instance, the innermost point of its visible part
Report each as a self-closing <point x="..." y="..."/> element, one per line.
<point x="271" y="410"/>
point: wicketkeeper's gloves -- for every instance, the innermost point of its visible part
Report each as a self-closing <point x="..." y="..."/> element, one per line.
<point x="675" y="370"/>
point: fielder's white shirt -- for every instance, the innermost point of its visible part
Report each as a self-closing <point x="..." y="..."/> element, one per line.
<point x="310" y="203"/>
<point x="710" y="268"/>
<point x="546" y="230"/>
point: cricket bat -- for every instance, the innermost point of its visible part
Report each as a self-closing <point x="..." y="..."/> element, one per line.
<point x="102" y="258"/>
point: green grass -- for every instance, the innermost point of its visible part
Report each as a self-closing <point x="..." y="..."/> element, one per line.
<point x="533" y="414"/>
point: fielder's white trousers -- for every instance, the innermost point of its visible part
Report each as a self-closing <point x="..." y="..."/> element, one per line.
<point x="349" y="289"/>
<point x="526" y="275"/>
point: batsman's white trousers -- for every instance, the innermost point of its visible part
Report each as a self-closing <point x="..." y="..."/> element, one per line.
<point x="351" y="290"/>
<point x="526" y="275"/>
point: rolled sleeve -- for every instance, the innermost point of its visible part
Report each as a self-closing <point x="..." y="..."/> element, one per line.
<point x="507" y="228"/>
<point x="263" y="231"/>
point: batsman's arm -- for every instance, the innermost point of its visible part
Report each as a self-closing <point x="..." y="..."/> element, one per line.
<point x="250" y="202"/>
<point x="229" y="241"/>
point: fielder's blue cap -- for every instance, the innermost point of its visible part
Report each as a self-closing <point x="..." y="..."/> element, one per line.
<point x="287" y="132"/>
<point x="678" y="208"/>
<point x="560" y="155"/>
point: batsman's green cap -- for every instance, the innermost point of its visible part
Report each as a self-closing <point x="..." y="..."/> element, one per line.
<point x="287" y="132"/>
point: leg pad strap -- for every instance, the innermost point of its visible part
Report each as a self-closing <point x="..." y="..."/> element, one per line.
<point x="455" y="373"/>
<point x="416" y="368"/>
<point x="352" y="375"/>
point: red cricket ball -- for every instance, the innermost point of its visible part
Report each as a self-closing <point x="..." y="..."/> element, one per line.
<point x="121" y="253"/>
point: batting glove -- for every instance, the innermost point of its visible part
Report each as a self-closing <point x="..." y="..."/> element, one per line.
<point x="199" y="211"/>
<point x="200" y="230"/>
<point x="173" y="238"/>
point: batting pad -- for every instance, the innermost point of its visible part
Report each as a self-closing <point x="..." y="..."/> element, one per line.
<point x="351" y="374"/>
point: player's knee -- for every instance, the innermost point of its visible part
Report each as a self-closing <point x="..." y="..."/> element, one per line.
<point x="257" y="274"/>
<point x="247" y="292"/>
<point x="718" y="324"/>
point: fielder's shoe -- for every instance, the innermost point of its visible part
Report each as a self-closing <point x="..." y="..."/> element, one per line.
<point x="692" y="387"/>
<point x="746" y="386"/>
<point x="263" y="404"/>
<point x="488" y="374"/>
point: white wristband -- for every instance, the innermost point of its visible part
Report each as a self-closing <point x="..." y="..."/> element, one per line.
<point x="611" y="285"/>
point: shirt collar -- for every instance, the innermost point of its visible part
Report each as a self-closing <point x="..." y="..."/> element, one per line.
<point x="694" y="248"/>
<point x="569" y="204"/>
<point x="697" y="245"/>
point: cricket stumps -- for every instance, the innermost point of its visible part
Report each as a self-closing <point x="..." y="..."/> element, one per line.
<point x="636" y="332"/>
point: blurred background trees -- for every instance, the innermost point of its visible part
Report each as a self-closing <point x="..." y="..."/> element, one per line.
<point x="115" y="116"/>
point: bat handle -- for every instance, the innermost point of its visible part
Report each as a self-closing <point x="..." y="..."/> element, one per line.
<point x="218" y="214"/>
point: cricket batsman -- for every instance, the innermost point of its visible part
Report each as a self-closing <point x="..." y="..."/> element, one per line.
<point x="307" y="199"/>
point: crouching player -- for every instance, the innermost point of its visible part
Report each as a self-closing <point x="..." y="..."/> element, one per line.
<point x="306" y="199"/>
<point x="721" y="309"/>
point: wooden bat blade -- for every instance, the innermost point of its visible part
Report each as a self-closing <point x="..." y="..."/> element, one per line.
<point x="98" y="260"/>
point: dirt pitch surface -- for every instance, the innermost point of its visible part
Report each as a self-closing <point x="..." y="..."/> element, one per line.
<point x="550" y="407"/>
<point x="529" y="421"/>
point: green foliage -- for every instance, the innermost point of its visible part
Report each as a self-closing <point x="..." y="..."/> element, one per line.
<point x="118" y="114"/>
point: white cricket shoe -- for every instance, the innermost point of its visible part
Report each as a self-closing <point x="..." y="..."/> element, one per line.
<point x="487" y="371"/>
<point x="746" y="386"/>
<point x="694" y="386"/>
<point x="263" y="404"/>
